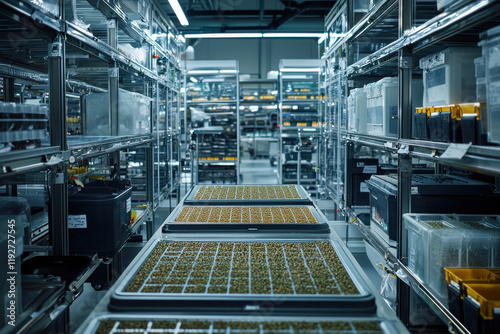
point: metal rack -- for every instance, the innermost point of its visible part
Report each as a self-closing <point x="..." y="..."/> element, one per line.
<point x="84" y="56"/>
<point x="300" y="108"/>
<point x="212" y="101"/>
<point x="388" y="39"/>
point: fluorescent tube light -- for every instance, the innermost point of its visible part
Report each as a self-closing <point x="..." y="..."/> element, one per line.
<point x="225" y="35"/>
<point x="292" y="34"/>
<point x="321" y="39"/>
<point x="305" y="69"/>
<point x="203" y="72"/>
<point x="178" y="12"/>
<point x="193" y="79"/>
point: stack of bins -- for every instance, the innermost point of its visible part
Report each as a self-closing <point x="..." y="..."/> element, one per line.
<point x="443" y="241"/>
<point x="226" y="274"/>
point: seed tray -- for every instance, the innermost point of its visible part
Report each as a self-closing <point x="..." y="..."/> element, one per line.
<point x="133" y="323"/>
<point x="248" y="195"/>
<point x="291" y="277"/>
<point x="246" y="218"/>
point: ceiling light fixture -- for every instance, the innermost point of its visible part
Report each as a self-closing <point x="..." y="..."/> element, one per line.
<point x="178" y="12"/>
<point x="225" y="35"/>
<point x="256" y="35"/>
<point x="291" y="35"/>
<point x="303" y="69"/>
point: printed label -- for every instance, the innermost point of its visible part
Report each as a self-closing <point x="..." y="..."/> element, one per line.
<point x="363" y="188"/>
<point x="77" y="221"/>
<point x="370" y="169"/>
<point x="414" y="190"/>
<point x="129" y="204"/>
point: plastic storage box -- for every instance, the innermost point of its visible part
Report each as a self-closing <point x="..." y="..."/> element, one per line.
<point x="382" y="107"/>
<point x="457" y="277"/>
<point x="491" y="51"/>
<point x="356" y="106"/>
<point x="99" y="217"/>
<point x="430" y="193"/>
<point x="361" y="170"/>
<point x="481" y="304"/>
<point x="449" y="77"/>
<point x="133" y="114"/>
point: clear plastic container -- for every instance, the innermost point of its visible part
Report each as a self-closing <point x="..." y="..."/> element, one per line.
<point x="356" y="107"/>
<point x="382" y="107"/>
<point x="449" y="76"/>
<point x="491" y="51"/>
<point x="480" y="69"/>
<point x="434" y="242"/>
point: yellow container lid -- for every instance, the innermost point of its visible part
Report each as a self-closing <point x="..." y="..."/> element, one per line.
<point x="487" y="295"/>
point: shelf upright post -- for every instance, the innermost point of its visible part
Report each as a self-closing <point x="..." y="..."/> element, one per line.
<point x="8" y="89"/>
<point x="57" y="116"/>
<point x="280" y="124"/>
<point x="238" y="131"/>
<point x="113" y="86"/>
<point x="404" y="159"/>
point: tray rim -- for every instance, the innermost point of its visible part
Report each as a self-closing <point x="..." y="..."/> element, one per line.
<point x="386" y="325"/>
<point x="355" y="276"/>
<point x="189" y="198"/>
<point x="321" y="226"/>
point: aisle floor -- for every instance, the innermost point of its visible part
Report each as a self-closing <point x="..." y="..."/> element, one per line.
<point x="257" y="171"/>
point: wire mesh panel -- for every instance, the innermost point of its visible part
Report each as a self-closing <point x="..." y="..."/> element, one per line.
<point x="111" y="324"/>
<point x="247" y="195"/>
<point x="305" y="276"/>
<point x="251" y="218"/>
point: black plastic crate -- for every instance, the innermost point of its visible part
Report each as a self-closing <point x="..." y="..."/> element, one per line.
<point x="431" y="194"/>
<point x="360" y="171"/>
<point x="100" y="217"/>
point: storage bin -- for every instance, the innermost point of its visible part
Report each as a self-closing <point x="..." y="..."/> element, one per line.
<point x="467" y="125"/>
<point x="481" y="304"/>
<point x="480" y="67"/>
<point x="361" y="170"/>
<point x="382" y="107"/>
<point x="439" y="122"/>
<point x="491" y="51"/>
<point x="434" y="242"/>
<point x="133" y="114"/>
<point x="449" y="77"/>
<point x="356" y="106"/>
<point x="420" y="121"/>
<point x="430" y="193"/>
<point x="457" y="277"/>
<point x="99" y="219"/>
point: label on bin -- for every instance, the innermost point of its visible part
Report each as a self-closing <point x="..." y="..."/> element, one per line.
<point x="363" y="187"/>
<point x="129" y="204"/>
<point x="372" y="169"/>
<point x="77" y="221"/>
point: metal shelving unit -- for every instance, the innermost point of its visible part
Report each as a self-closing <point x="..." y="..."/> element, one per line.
<point x="99" y="47"/>
<point x="212" y="101"/>
<point x="388" y="39"/>
<point x="299" y="121"/>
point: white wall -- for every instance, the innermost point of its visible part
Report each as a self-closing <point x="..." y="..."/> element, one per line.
<point x="256" y="56"/>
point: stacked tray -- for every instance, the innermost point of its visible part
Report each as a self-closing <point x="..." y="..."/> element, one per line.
<point x="248" y="195"/>
<point x="108" y="324"/>
<point x="287" y="277"/>
<point x="246" y="218"/>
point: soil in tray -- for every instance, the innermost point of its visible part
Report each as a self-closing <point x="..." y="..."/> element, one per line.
<point x="247" y="215"/>
<point x="200" y="326"/>
<point x="246" y="192"/>
<point x="295" y="268"/>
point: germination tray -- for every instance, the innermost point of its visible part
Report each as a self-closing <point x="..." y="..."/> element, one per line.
<point x="288" y="277"/>
<point x="247" y="195"/>
<point x="136" y="323"/>
<point x="246" y="218"/>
